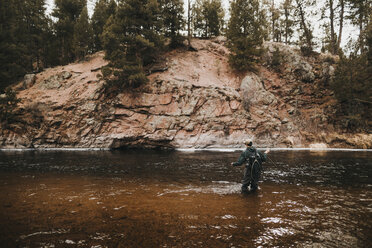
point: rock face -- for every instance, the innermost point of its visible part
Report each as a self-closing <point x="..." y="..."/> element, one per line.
<point x="197" y="101"/>
<point x="253" y="92"/>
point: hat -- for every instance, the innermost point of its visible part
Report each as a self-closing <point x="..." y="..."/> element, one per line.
<point x="248" y="142"/>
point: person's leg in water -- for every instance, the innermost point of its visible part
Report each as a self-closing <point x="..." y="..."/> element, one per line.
<point x="256" y="173"/>
<point x="246" y="179"/>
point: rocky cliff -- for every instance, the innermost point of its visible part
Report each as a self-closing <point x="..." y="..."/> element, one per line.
<point x="195" y="100"/>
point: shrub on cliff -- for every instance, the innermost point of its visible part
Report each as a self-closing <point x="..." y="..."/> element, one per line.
<point x="352" y="85"/>
<point x="8" y="103"/>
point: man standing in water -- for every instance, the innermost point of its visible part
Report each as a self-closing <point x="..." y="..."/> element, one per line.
<point x="252" y="171"/>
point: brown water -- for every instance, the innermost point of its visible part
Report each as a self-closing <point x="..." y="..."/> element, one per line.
<point x="177" y="199"/>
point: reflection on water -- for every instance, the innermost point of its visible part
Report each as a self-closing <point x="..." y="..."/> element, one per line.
<point x="177" y="199"/>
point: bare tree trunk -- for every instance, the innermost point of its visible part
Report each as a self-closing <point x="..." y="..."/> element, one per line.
<point x="341" y="24"/>
<point x="361" y="43"/>
<point x="188" y="24"/>
<point x="286" y="13"/>
<point x="272" y="19"/>
<point x="331" y="17"/>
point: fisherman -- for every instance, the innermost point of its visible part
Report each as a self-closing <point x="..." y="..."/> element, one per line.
<point x="252" y="171"/>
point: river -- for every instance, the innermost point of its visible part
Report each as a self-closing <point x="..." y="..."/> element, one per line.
<point x="140" y="198"/>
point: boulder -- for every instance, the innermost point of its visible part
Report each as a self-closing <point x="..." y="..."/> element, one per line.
<point x="295" y="62"/>
<point x="55" y="81"/>
<point x="303" y="71"/>
<point x="29" y="81"/>
<point x="253" y="92"/>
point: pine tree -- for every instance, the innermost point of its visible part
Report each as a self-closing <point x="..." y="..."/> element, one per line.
<point x="11" y="64"/>
<point x="36" y="27"/>
<point x="197" y="18"/>
<point x="352" y="84"/>
<point x="360" y="11"/>
<point x="245" y="33"/>
<point x="102" y="11"/>
<point x="83" y="35"/>
<point x="287" y="21"/>
<point x="208" y="17"/>
<point x="369" y="45"/>
<point x="66" y="12"/>
<point x="341" y="23"/>
<point x="332" y="10"/>
<point x="132" y="41"/>
<point x="173" y="21"/>
<point x="214" y="15"/>
<point x="22" y="28"/>
<point x="275" y="22"/>
<point x="306" y="31"/>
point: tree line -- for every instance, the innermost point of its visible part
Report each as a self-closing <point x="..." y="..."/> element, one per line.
<point x="134" y="32"/>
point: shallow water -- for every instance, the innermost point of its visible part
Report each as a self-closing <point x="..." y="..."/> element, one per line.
<point x="183" y="199"/>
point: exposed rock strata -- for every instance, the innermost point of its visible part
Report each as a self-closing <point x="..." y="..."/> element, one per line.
<point x="195" y="102"/>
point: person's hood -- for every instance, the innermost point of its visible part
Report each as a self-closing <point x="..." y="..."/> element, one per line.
<point x="251" y="149"/>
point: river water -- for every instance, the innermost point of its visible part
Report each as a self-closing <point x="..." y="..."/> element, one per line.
<point x="183" y="199"/>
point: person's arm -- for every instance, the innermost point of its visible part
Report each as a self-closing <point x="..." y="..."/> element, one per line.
<point x="241" y="160"/>
<point x="264" y="155"/>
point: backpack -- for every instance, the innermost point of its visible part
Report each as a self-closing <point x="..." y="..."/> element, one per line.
<point x="253" y="157"/>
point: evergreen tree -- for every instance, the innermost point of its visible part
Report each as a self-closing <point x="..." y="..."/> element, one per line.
<point x="197" y="18"/>
<point x="22" y="27"/>
<point x="131" y="41"/>
<point x="276" y="31"/>
<point x="208" y="17"/>
<point x="328" y="12"/>
<point x="173" y="21"/>
<point x="11" y="64"/>
<point x="332" y="11"/>
<point x="306" y="31"/>
<point x="287" y="21"/>
<point x="369" y="45"/>
<point x="66" y="12"/>
<point x="102" y="11"/>
<point x="51" y="48"/>
<point x="83" y="35"/>
<point x="352" y="84"/>
<point x="341" y="23"/>
<point x="35" y="26"/>
<point x="245" y="33"/>
<point x="360" y="11"/>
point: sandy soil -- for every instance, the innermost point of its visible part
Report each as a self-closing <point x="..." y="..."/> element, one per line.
<point x="206" y="67"/>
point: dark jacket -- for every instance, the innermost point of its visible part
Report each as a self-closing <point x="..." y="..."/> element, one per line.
<point x="249" y="153"/>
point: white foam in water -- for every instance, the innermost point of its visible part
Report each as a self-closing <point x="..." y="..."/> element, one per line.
<point x="58" y="231"/>
<point x="227" y="217"/>
<point x="218" y="188"/>
<point x="271" y="220"/>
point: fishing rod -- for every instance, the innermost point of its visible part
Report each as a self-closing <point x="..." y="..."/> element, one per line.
<point x="274" y="163"/>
